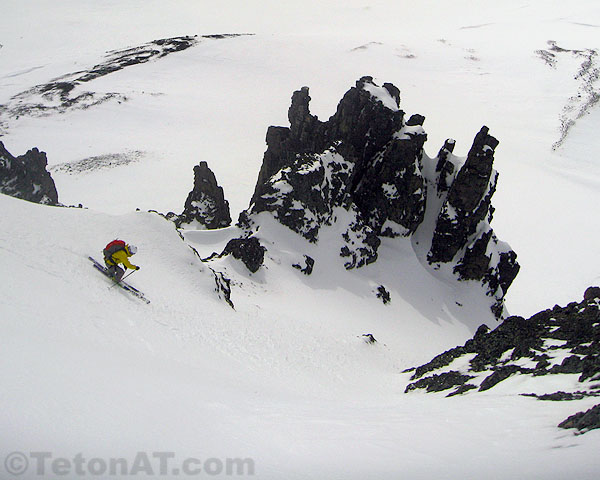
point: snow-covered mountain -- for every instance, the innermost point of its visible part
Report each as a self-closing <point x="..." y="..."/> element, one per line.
<point x="297" y="364"/>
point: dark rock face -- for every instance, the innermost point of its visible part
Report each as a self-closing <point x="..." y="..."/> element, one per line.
<point x="369" y="338"/>
<point x="390" y="192"/>
<point x="441" y="382"/>
<point x="575" y="327"/>
<point x="445" y="168"/>
<point x="591" y="293"/>
<point x="205" y="205"/>
<point x="309" y="264"/>
<point x="26" y="177"/>
<point x="561" y="396"/>
<point x="583" y="421"/>
<point x="223" y="287"/>
<point x="501" y="373"/>
<point x="302" y="195"/>
<point x="365" y="167"/>
<point x="466" y="211"/>
<point x="69" y="93"/>
<point x="248" y="250"/>
<point x="563" y="340"/>
<point x="351" y="160"/>
<point x="383" y="294"/>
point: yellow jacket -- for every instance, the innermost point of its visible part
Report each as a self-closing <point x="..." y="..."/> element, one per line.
<point x="122" y="256"/>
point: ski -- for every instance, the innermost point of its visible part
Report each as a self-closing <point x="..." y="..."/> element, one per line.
<point x="124" y="285"/>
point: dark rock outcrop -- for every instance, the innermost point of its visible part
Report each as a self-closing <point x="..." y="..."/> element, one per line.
<point x="462" y="234"/>
<point x="441" y="382"/>
<point x="69" y="91"/>
<point x="468" y="200"/>
<point x="353" y="159"/>
<point x="26" y="177"/>
<point x="223" y="287"/>
<point x="383" y="294"/>
<point x="445" y="168"/>
<point x="248" y="250"/>
<point x="561" y="396"/>
<point x="563" y="340"/>
<point x="365" y="166"/>
<point x="499" y="374"/>
<point x="583" y="421"/>
<point x="574" y="329"/>
<point x="205" y="206"/>
<point x="592" y="293"/>
<point x="309" y="264"/>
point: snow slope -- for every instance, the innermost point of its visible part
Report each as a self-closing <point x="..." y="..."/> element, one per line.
<point x="286" y="379"/>
<point x="459" y="64"/>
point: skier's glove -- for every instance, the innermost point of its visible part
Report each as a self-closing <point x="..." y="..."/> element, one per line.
<point x="137" y="268"/>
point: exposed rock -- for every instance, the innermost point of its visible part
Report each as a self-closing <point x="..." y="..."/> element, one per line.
<point x="205" y="206"/>
<point x="98" y="162"/>
<point x="390" y="193"/>
<point x="502" y="373"/>
<point x="583" y="421"/>
<point x="69" y="93"/>
<point x="223" y="287"/>
<point x="317" y="166"/>
<point x="591" y="293"/>
<point x="468" y="200"/>
<point x="309" y="264"/>
<point x="369" y="338"/>
<point x="444" y="168"/>
<point x="385" y="151"/>
<point x="516" y="333"/>
<point x="248" y="250"/>
<point x="561" y="396"/>
<point x="305" y="135"/>
<point x="438" y="383"/>
<point x="302" y="195"/>
<point x="383" y="294"/>
<point x="563" y="340"/>
<point x="26" y="177"/>
<point x="465" y="387"/>
<point x="363" y="170"/>
<point x="462" y="234"/>
<point x="361" y="243"/>
<point x="439" y="361"/>
<point x="365" y="120"/>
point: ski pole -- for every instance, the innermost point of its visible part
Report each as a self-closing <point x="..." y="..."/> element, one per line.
<point x="122" y="278"/>
<point x="130" y="273"/>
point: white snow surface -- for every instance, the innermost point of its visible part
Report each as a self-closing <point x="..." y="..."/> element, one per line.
<point x="380" y="94"/>
<point x="286" y="378"/>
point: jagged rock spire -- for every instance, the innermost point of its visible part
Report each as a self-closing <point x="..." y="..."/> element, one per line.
<point x="468" y="201"/>
<point x="368" y="160"/>
<point x="26" y="177"/>
<point x="205" y="206"/>
<point x="463" y="235"/>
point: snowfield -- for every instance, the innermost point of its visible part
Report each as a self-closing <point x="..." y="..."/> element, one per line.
<point x="285" y="379"/>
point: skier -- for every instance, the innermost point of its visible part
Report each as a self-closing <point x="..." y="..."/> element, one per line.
<point x="118" y="252"/>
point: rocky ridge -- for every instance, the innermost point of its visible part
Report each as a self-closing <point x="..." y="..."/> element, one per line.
<point x="72" y="91"/>
<point x="558" y="341"/>
<point x="26" y="177"/>
<point x="205" y="206"/>
<point x="366" y="167"/>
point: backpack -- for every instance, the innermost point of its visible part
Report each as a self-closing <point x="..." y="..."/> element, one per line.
<point x="113" y="247"/>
